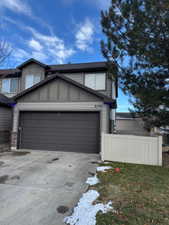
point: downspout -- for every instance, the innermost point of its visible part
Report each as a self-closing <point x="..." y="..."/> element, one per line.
<point x="113" y="110"/>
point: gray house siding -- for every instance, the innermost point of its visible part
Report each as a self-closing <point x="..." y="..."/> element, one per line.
<point x="34" y="69"/>
<point x="5" y="126"/>
<point x="60" y="96"/>
<point x="80" y="78"/>
<point x="108" y="90"/>
<point x="5" y="118"/>
<point x="59" y="91"/>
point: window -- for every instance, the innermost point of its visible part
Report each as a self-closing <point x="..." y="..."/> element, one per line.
<point x="96" y="81"/>
<point x="31" y="79"/>
<point x="10" y="85"/>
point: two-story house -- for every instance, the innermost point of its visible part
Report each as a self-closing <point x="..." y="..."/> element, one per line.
<point x="60" y="107"/>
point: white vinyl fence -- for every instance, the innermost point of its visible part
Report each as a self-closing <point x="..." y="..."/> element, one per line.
<point x="132" y="149"/>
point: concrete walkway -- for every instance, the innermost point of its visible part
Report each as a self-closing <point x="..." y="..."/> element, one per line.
<point x="33" y="186"/>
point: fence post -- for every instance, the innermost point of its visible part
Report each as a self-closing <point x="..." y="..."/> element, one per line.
<point x="102" y="146"/>
<point x="160" y="150"/>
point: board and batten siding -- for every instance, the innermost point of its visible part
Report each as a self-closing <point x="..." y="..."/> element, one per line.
<point x="132" y="149"/>
<point x="59" y="91"/>
<point x="5" y="124"/>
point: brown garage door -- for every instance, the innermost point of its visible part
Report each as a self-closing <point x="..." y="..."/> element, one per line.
<point x="60" y="131"/>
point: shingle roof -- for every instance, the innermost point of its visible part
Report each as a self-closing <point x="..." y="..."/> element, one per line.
<point x="9" y="72"/>
<point x="60" y="68"/>
<point x="79" y="67"/>
<point x="5" y="101"/>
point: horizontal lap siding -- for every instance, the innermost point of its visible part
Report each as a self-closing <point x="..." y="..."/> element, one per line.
<point x="5" y="124"/>
<point x="4" y="137"/>
<point x="61" y="131"/>
<point x="5" y="118"/>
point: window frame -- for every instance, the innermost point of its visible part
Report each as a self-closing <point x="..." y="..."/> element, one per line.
<point x="10" y="85"/>
<point x="33" y="75"/>
<point x="92" y="73"/>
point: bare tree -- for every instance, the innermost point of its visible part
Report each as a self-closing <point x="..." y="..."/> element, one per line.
<point x="5" y="51"/>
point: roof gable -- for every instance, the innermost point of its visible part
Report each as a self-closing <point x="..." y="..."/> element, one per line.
<point x="31" y="61"/>
<point x="67" y="80"/>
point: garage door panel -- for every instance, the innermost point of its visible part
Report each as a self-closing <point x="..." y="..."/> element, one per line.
<point x="54" y="123"/>
<point x="66" y="116"/>
<point x="57" y="132"/>
<point x="60" y="131"/>
<point x="59" y="127"/>
<point x="65" y="144"/>
<point x="65" y="136"/>
<point x="60" y="140"/>
<point x="63" y="147"/>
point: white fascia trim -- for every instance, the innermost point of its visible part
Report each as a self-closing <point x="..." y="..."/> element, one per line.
<point x="73" y="106"/>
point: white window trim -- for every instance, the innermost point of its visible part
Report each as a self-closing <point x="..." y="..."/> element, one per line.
<point x="10" y="92"/>
<point x="96" y="74"/>
<point x="33" y="83"/>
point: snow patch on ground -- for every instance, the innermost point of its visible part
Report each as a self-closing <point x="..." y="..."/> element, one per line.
<point x="103" y="168"/>
<point x="85" y="212"/>
<point x="92" y="180"/>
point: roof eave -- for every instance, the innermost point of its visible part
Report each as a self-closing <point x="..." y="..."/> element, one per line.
<point x="32" y="61"/>
<point x="8" y="105"/>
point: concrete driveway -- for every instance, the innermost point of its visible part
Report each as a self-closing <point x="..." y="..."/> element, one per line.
<point x="35" y="186"/>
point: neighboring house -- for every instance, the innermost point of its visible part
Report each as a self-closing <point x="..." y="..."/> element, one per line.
<point x="5" y="122"/>
<point x="127" y="124"/>
<point x="60" y="107"/>
<point x="164" y="132"/>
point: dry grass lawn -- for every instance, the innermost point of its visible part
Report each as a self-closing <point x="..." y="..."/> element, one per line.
<point x="140" y="195"/>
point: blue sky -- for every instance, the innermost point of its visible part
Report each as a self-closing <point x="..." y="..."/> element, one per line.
<point x="54" y="31"/>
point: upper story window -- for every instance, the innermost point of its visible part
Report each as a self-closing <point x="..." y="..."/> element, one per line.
<point x="10" y="85"/>
<point x="96" y="81"/>
<point x="31" y="80"/>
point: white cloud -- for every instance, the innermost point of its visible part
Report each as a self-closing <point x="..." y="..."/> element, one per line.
<point x="20" y="55"/>
<point x="100" y="4"/>
<point x="84" y="37"/>
<point x="16" y="6"/>
<point x="48" y="48"/>
<point x="103" y="4"/>
<point x="41" y="56"/>
<point x="53" y="47"/>
<point x="35" y="45"/>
